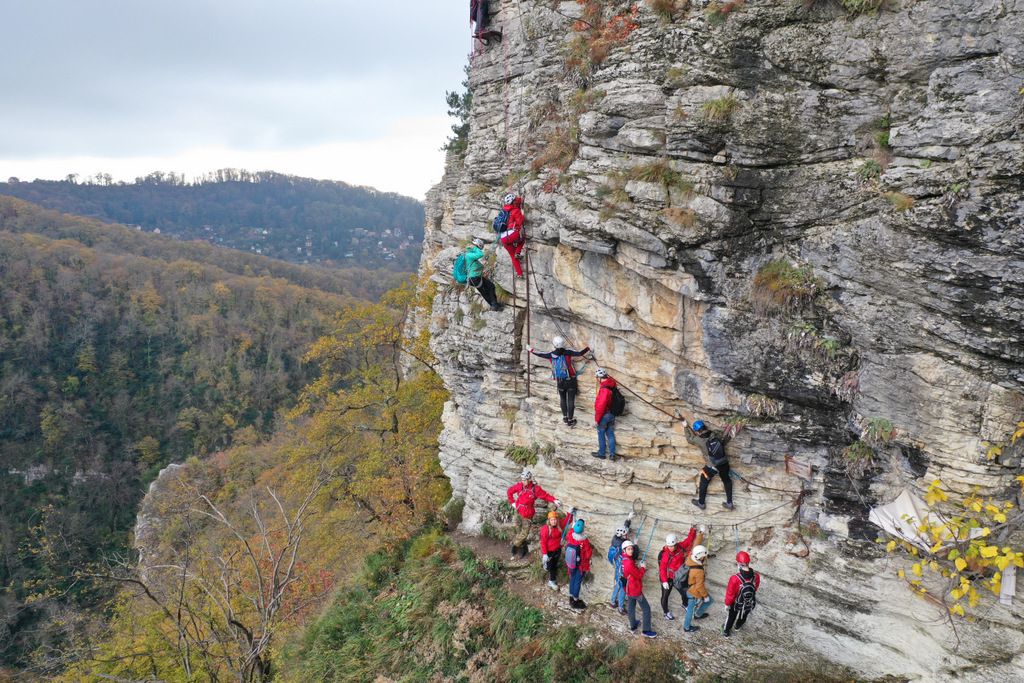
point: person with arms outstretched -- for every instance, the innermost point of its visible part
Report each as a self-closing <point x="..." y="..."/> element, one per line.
<point x="523" y="497"/>
<point x="564" y="374"/>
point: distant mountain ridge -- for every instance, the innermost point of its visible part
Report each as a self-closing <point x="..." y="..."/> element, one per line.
<point x="287" y="217"/>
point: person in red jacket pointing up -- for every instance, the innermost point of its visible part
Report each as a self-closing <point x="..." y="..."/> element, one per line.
<point x="523" y="496"/>
<point x="509" y="225"/>
<point x="740" y="594"/>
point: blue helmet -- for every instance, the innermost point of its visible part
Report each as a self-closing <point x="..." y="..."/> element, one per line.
<point x="698" y="425"/>
<point x="578" y="526"/>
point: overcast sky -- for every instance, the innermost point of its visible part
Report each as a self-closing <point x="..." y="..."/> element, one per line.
<point x="340" y="89"/>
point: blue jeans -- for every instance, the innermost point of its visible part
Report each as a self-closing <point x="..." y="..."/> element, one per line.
<point x="694" y="608"/>
<point x="606" y="433"/>
<point x="645" y="610"/>
<point x="618" y="591"/>
<point x="575" y="581"/>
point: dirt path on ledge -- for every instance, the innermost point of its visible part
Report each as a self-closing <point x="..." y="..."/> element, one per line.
<point x="706" y="653"/>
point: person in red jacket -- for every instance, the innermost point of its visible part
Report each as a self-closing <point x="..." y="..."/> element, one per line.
<point x="551" y="535"/>
<point x="740" y="594"/>
<point x="670" y="559"/>
<point x="603" y="417"/>
<point x="578" y="552"/>
<point x="633" y="574"/>
<point x="523" y="497"/>
<point x="514" y="234"/>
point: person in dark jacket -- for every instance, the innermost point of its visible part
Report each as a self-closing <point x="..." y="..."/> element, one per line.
<point x="633" y="571"/>
<point x="565" y="376"/>
<point x="740" y="594"/>
<point x="523" y="496"/>
<point x="603" y="417"/>
<point x="476" y="277"/>
<point x="670" y="560"/>
<point x="513" y="237"/>
<point x="618" y="600"/>
<point x="712" y="446"/>
<point x="479" y="13"/>
<point x="551" y="544"/>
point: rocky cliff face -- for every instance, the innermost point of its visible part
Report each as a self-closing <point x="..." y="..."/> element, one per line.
<point x="774" y="215"/>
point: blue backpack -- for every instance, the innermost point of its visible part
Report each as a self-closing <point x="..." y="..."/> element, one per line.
<point x="560" y="366"/>
<point x="459" y="271"/>
<point x="572" y="556"/>
<point x="613" y="553"/>
<point x="500" y="223"/>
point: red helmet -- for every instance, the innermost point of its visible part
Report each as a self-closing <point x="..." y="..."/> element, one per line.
<point x="742" y="557"/>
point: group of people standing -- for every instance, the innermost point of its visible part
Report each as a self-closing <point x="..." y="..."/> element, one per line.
<point x="682" y="565"/>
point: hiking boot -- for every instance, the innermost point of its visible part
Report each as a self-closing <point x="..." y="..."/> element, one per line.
<point x="698" y="503"/>
<point x="598" y="454"/>
<point x="552" y="585"/>
<point x="726" y="633"/>
<point x="737" y="627"/>
<point x="580" y="604"/>
<point x="495" y="307"/>
<point x="612" y="604"/>
<point x="632" y="629"/>
<point x="650" y="634"/>
<point x="701" y="616"/>
<point x="611" y="457"/>
<point x="515" y="552"/>
<point x="692" y="629"/>
<point x="728" y="506"/>
<point x="622" y="611"/>
<point x="572" y="422"/>
<point x="565" y="420"/>
<point x="670" y="616"/>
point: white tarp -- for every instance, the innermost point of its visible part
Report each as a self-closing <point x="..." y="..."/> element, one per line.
<point x="903" y="516"/>
<point x="1009" y="587"/>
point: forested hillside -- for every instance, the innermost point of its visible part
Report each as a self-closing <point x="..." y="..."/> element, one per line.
<point x="119" y="353"/>
<point x="239" y="550"/>
<point x="291" y="218"/>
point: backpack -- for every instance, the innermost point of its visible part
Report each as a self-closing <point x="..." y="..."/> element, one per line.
<point x="716" y="452"/>
<point x="746" y="599"/>
<point x="614" y="550"/>
<point x="459" y="272"/>
<point x="560" y="366"/>
<point x="500" y="223"/>
<point x="618" y="406"/>
<point x="572" y="556"/>
<point x="681" y="580"/>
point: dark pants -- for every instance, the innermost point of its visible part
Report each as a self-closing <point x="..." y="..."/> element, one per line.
<point x="486" y="289"/>
<point x="575" y="582"/>
<point x="567" y="389"/>
<point x="735" y="619"/>
<point x="645" y="609"/>
<point x="707" y="474"/>
<point x="665" y="595"/>
<point x="482" y="10"/>
<point x="553" y="564"/>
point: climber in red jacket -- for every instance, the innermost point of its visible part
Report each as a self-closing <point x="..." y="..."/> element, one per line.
<point x="551" y="535"/>
<point x="740" y="594"/>
<point x="604" y="418"/>
<point x="578" y="552"/>
<point x="670" y="559"/>
<point x="510" y="227"/>
<point x="523" y="496"/>
<point x="633" y="574"/>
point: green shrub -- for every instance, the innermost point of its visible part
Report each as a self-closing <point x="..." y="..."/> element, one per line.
<point x="858" y="458"/>
<point x="869" y="170"/>
<point x="899" y="201"/>
<point x="720" y="109"/>
<point x="781" y="287"/>
<point x="718" y="12"/>
<point x="660" y="172"/>
<point x="878" y="431"/>
<point x="855" y="7"/>
<point x="521" y="455"/>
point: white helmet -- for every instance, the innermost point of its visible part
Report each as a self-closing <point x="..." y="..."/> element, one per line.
<point x="526" y="475"/>
<point x="671" y="539"/>
<point x="558" y="342"/>
<point x="477" y="242"/>
<point x="699" y="553"/>
<point x="509" y="198"/>
<point x="621" y="531"/>
<point x="601" y="372"/>
<point x="627" y="544"/>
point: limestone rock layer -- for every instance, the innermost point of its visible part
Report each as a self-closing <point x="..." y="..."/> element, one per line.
<point x="774" y="215"/>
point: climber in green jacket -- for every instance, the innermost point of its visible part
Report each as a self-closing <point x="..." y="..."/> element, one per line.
<point x="476" y="277"/>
